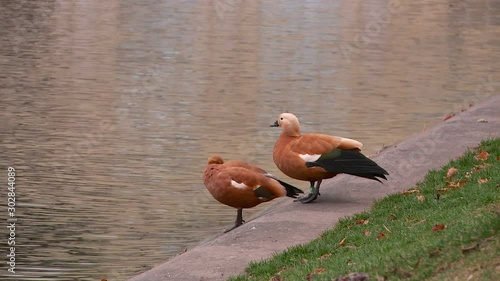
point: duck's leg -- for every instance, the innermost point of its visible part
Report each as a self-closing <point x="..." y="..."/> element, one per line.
<point x="312" y="195"/>
<point x="316" y="190"/>
<point x="239" y="220"/>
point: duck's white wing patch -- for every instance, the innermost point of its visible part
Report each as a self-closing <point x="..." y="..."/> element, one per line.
<point x="238" y="185"/>
<point x="309" y="157"/>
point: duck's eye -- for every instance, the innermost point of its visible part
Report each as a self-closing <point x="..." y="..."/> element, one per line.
<point x="281" y="118"/>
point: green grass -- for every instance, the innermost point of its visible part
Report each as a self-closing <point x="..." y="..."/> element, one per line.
<point x="398" y="238"/>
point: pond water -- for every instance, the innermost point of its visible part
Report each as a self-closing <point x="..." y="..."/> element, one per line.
<point x="110" y="109"/>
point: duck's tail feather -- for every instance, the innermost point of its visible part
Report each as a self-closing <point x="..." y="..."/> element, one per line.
<point x="291" y="191"/>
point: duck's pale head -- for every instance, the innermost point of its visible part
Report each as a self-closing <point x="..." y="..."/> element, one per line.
<point x="289" y="123"/>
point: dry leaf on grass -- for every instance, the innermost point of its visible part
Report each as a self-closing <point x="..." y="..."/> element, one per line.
<point x="455" y="184"/>
<point x="406" y="192"/>
<point x="438" y="227"/>
<point x="481" y="181"/>
<point x="342" y="243"/>
<point x="325" y="256"/>
<point x="471" y="248"/>
<point x="451" y="172"/>
<point x="420" y="198"/>
<point x="366" y="233"/>
<point x="483" y="155"/>
<point x="479" y="167"/>
<point x="319" y="270"/>
<point x="442" y="189"/>
<point x="381" y="235"/>
<point x="362" y="222"/>
<point x="435" y="253"/>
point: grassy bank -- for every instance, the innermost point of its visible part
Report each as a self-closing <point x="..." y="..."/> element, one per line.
<point x="443" y="228"/>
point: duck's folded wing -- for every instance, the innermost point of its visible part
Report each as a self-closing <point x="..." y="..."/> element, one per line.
<point x="262" y="186"/>
<point x="317" y="144"/>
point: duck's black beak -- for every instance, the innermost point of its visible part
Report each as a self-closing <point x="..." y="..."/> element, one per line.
<point x="275" y="124"/>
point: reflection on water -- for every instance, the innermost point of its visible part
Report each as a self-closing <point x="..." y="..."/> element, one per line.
<point x="110" y="108"/>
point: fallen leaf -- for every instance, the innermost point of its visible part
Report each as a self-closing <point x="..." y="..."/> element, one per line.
<point x="276" y="278"/>
<point x="104" y="279"/>
<point x="381" y="235"/>
<point x="309" y="277"/>
<point x="483" y="155"/>
<point x="471" y="248"/>
<point x="406" y="192"/>
<point x="435" y="253"/>
<point x="498" y="158"/>
<point x="304" y="260"/>
<point x="319" y="270"/>
<point x="455" y="184"/>
<point x="448" y="116"/>
<point x="362" y="222"/>
<point x="451" y="172"/>
<point x="325" y="256"/>
<point x="342" y="242"/>
<point x="366" y="233"/>
<point x="443" y="189"/>
<point x="479" y="167"/>
<point x="438" y="195"/>
<point x="438" y="227"/>
<point x="482" y="120"/>
<point x="420" y="198"/>
<point x="481" y="181"/>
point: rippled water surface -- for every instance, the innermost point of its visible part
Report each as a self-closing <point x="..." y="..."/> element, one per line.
<point x="109" y="109"/>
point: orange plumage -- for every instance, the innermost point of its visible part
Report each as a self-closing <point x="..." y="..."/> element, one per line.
<point x="242" y="185"/>
<point x="314" y="157"/>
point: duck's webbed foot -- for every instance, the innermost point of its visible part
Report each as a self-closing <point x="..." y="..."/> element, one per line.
<point x="233" y="227"/>
<point x="311" y="196"/>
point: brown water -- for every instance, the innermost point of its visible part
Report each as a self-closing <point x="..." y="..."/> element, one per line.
<point x="110" y="109"/>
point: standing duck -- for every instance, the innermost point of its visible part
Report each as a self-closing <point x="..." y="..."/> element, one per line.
<point x="314" y="157"/>
<point x="242" y="185"/>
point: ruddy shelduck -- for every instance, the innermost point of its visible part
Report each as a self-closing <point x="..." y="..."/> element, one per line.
<point x="242" y="185"/>
<point x="315" y="157"/>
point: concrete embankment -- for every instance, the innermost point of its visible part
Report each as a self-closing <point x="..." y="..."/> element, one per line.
<point x="287" y="223"/>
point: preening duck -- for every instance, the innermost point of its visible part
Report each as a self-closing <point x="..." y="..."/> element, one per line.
<point x="314" y="157"/>
<point x="242" y="185"/>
